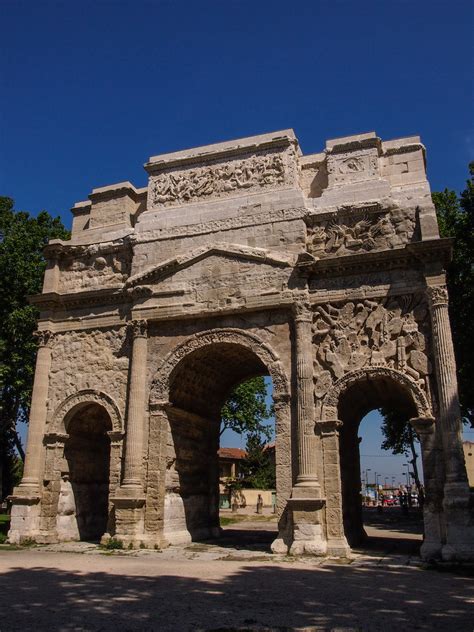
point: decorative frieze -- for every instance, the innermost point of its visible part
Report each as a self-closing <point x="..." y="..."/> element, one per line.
<point x="195" y="184"/>
<point x="355" y="232"/>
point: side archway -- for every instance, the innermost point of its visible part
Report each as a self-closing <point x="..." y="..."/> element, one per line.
<point x="332" y="398"/>
<point x="86" y="433"/>
<point x="72" y="404"/>
<point x="344" y="406"/>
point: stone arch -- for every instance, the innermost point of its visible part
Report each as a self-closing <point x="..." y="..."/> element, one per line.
<point x="190" y="484"/>
<point x="332" y="397"/>
<point x="344" y="406"/>
<point x="160" y="386"/>
<point x="65" y="411"/>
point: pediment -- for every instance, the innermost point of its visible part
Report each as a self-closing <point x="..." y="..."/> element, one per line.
<point x="171" y="266"/>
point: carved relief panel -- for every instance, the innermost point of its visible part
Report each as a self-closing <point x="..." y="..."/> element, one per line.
<point x="391" y="332"/>
<point x="92" y="267"/>
<point x="350" y="166"/>
<point x="363" y="230"/>
<point x="223" y="179"/>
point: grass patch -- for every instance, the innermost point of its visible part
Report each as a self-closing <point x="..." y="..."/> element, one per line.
<point x="4" y="527"/>
<point x="112" y="545"/>
<point x="226" y="520"/>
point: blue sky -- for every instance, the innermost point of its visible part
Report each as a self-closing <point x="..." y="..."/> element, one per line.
<point x="91" y="89"/>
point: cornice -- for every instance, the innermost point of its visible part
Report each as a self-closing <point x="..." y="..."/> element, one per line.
<point x="55" y="300"/>
<point x="421" y="252"/>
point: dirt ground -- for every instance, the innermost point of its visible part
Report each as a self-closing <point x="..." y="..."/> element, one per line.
<point x="235" y="584"/>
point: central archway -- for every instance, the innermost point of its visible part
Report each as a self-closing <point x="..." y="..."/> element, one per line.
<point x="193" y="384"/>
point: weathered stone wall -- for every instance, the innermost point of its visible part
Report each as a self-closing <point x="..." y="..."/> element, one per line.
<point x="92" y="359"/>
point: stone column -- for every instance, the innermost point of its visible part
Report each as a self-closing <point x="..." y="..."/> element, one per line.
<point x="305" y="504"/>
<point x="307" y="466"/>
<point x="129" y="500"/>
<point x="25" y="514"/>
<point x="38" y="411"/>
<point x="459" y="535"/>
<point x="133" y="466"/>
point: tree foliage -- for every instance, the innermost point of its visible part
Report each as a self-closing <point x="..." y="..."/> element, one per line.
<point x="456" y="220"/>
<point x="258" y="468"/>
<point x="22" y="265"/>
<point x="246" y="410"/>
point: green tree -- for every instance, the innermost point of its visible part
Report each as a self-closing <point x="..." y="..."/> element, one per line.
<point x="246" y="411"/>
<point x="258" y="468"/>
<point x="456" y="220"/>
<point x="22" y="265"/>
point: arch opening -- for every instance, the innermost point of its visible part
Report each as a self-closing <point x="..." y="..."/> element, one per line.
<point x="84" y="498"/>
<point x="199" y="385"/>
<point x="355" y="402"/>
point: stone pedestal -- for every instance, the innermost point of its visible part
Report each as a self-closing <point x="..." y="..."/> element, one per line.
<point x="459" y="525"/>
<point x="308" y="534"/>
<point x="129" y="516"/>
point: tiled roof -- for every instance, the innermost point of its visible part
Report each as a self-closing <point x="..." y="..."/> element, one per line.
<point x="232" y="453"/>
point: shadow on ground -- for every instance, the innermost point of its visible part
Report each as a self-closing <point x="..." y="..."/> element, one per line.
<point x="346" y="598"/>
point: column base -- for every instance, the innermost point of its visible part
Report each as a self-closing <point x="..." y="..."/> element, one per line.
<point x="129" y="505"/>
<point x="25" y="514"/>
<point x="339" y="547"/>
<point x="305" y="507"/>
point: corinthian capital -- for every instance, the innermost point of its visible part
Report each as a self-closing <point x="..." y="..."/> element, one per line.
<point x="302" y="307"/>
<point x="437" y="295"/>
<point x="139" y="328"/>
<point x="44" y="337"/>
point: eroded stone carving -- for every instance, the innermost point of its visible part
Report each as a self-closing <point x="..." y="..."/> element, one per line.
<point x="353" y="233"/>
<point x="188" y="185"/>
<point x="390" y="333"/>
<point x="90" y="267"/>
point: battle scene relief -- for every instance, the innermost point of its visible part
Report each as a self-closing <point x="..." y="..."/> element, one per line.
<point x="392" y="332"/>
<point x="221" y="179"/>
<point x="358" y="232"/>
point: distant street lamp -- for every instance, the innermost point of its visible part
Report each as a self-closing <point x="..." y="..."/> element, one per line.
<point x="385" y="485"/>
<point x="407" y="474"/>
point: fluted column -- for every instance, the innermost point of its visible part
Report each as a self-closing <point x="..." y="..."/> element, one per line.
<point x="449" y="410"/>
<point x="136" y="407"/>
<point x="303" y="318"/>
<point x="456" y="501"/>
<point x="38" y="411"/>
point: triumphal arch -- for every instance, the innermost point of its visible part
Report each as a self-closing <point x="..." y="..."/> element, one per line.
<point x="324" y="272"/>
